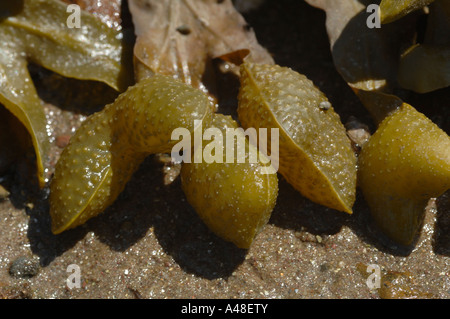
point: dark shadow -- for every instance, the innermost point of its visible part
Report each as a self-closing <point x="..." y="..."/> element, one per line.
<point x="293" y="211"/>
<point x="441" y="237"/>
<point x="76" y="96"/>
<point x="368" y="2"/>
<point x="148" y="203"/>
<point x="9" y="144"/>
<point x="10" y="8"/>
<point x="227" y="90"/>
<point x="366" y="229"/>
<point x="17" y="160"/>
<point x="362" y="53"/>
<point x="43" y="242"/>
<point x="128" y="41"/>
<point x="296" y="212"/>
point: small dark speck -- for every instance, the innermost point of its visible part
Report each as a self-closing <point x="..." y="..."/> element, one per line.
<point x="184" y="29"/>
<point x="247" y="27"/>
<point x="145" y="4"/>
<point x="324" y="267"/>
<point x="220" y="1"/>
<point x="136" y="293"/>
